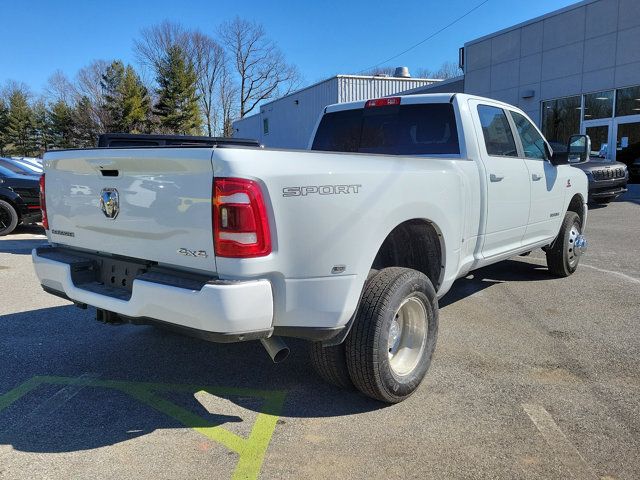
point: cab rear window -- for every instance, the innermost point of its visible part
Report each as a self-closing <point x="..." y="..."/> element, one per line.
<point x="421" y="129"/>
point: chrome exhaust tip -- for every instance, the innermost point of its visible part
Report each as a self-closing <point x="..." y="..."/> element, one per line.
<point x="276" y="348"/>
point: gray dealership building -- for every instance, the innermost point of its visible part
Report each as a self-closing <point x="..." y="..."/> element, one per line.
<point x="574" y="70"/>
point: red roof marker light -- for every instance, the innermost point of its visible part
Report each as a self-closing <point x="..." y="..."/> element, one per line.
<point x="382" y="102"/>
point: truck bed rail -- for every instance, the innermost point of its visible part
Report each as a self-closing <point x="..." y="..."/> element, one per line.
<point x="128" y="140"/>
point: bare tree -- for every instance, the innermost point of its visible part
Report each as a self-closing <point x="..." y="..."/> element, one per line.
<point x="261" y="68"/>
<point x="88" y="85"/>
<point x="12" y="86"/>
<point x="380" y="71"/>
<point x="208" y="58"/>
<point x="446" y="70"/>
<point x="60" y="88"/>
<point x="156" y="41"/>
<point x="227" y="94"/>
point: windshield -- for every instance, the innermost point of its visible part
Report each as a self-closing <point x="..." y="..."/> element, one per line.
<point x="16" y="167"/>
<point x="5" y="172"/>
<point x="419" y="129"/>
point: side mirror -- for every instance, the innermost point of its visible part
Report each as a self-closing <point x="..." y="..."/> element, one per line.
<point x="557" y="157"/>
<point x="579" y="148"/>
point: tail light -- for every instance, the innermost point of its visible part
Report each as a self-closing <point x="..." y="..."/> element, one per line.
<point x="382" y="102"/>
<point x="43" y="204"/>
<point x="240" y="223"/>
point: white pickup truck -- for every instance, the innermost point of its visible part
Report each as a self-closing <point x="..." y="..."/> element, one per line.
<point x="348" y="245"/>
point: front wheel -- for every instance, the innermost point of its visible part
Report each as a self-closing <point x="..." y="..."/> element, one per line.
<point x="8" y="218"/>
<point x="394" y="335"/>
<point x="564" y="253"/>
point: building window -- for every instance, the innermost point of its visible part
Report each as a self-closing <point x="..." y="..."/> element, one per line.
<point x="628" y="101"/>
<point x="561" y="119"/>
<point x="598" y="105"/>
<point x="265" y="126"/>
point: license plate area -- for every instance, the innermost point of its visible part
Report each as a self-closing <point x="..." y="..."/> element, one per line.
<point x="114" y="276"/>
<point x="119" y="274"/>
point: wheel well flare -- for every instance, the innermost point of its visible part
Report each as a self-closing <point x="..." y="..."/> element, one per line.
<point x="413" y="244"/>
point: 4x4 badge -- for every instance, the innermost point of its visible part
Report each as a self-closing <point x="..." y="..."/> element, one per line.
<point x="193" y="253"/>
<point x="110" y="202"/>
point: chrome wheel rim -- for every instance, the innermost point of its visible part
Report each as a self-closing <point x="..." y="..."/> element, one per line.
<point x="572" y="254"/>
<point x="407" y="336"/>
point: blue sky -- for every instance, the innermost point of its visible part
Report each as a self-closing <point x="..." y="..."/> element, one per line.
<point x="321" y="38"/>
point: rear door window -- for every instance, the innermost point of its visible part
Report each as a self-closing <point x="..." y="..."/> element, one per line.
<point x="496" y="131"/>
<point x="419" y="129"/>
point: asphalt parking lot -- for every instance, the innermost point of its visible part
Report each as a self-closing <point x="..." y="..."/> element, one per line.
<point x="534" y="377"/>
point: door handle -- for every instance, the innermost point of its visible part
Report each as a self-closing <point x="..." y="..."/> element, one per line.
<point x="496" y="178"/>
<point x="535" y="177"/>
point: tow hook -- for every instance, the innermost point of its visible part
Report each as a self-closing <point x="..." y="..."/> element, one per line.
<point x="105" y="316"/>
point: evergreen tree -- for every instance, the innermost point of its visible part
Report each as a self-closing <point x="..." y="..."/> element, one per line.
<point x="86" y="126"/>
<point x="41" y="128"/>
<point x="4" y="124"/>
<point x="41" y="132"/>
<point x="112" y="102"/>
<point x="62" y="125"/>
<point x="177" y="108"/>
<point x="126" y="100"/>
<point x="136" y="106"/>
<point x="20" y="125"/>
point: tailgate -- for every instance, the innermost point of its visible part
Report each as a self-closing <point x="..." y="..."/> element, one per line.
<point x="152" y="204"/>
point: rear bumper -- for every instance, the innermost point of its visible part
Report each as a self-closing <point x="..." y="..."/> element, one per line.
<point x="221" y="311"/>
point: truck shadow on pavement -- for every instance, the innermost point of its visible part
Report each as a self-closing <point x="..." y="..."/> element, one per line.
<point x="98" y="385"/>
<point x="505" y="271"/>
<point x="20" y="246"/>
<point x="71" y="383"/>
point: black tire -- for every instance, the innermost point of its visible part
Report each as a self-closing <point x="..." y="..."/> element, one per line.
<point x="330" y="362"/>
<point x="367" y="346"/>
<point x="8" y="218"/>
<point x="560" y="253"/>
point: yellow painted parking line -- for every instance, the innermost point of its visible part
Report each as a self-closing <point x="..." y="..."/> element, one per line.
<point x="251" y="451"/>
<point x="17" y="393"/>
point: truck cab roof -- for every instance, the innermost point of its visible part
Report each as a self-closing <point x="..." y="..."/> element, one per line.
<point x="416" y="99"/>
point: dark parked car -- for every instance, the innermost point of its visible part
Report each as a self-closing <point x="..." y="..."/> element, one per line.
<point x="20" y="166"/>
<point x="630" y="156"/>
<point x="607" y="179"/>
<point x="19" y="200"/>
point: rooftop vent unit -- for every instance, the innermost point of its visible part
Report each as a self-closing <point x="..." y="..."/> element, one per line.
<point x="402" y="72"/>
